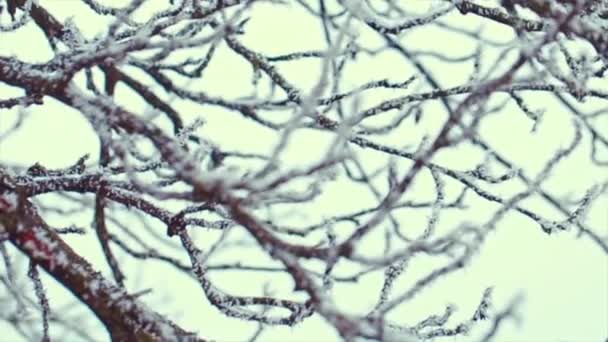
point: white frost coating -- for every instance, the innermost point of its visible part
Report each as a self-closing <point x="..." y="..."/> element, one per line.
<point x="61" y="258"/>
<point x="94" y="286"/>
<point x="359" y="9"/>
<point x="9" y="202"/>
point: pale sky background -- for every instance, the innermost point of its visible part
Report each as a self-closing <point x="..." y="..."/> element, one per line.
<point x="563" y="278"/>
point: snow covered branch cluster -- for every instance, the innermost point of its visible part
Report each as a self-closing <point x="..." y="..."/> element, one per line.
<point x="290" y="180"/>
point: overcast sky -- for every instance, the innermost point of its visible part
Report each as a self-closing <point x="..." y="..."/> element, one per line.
<point x="562" y="278"/>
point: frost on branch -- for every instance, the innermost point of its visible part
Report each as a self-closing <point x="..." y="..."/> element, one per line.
<point x="343" y="175"/>
<point x="8" y="202"/>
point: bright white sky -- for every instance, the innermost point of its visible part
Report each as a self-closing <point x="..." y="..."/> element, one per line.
<point x="563" y="278"/>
